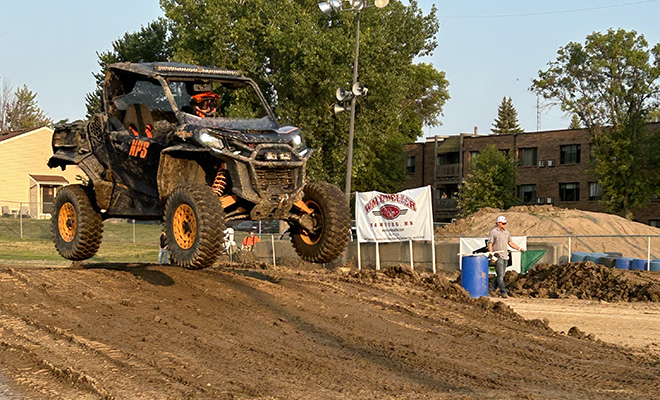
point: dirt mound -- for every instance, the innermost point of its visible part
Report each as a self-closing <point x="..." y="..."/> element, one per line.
<point x="586" y="280"/>
<point x="534" y="221"/>
<point x="546" y="220"/>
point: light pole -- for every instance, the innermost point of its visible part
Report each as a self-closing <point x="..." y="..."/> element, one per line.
<point x="356" y="88"/>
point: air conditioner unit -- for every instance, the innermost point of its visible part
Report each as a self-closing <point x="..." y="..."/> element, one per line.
<point x="551" y="163"/>
<point x="542" y="163"/>
<point x="548" y="200"/>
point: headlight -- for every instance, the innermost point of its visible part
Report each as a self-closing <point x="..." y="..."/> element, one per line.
<point x="296" y="143"/>
<point x="211" y="141"/>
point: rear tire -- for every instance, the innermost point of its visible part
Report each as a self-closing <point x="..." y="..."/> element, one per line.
<point x="77" y="226"/>
<point x="194" y="225"/>
<point x="331" y="224"/>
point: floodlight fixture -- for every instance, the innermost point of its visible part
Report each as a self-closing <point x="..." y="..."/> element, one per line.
<point x="381" y="3"/>
<point x="338" y="109"/>
<point x="359" y="89"/>
<point x="325" y="7"/>
<point x="336" y="5"/>
<point x="358" y="4"/>
<point x="342" y="94"/>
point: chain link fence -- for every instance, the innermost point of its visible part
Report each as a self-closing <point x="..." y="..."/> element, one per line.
<point x="17" y="222"/>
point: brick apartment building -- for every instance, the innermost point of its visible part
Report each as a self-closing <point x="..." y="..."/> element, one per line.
<point x="553" y="169"/>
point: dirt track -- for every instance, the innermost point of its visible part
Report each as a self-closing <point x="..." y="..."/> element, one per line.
<point x="141" y="331"/>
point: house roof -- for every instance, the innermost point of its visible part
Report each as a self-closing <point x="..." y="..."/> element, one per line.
<point x="8" y="135"/>
<point x="49" y="179"/>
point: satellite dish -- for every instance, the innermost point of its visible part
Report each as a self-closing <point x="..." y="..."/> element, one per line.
<point x="381" y="3"/>
<point x="342" y="94"/>
<point x="358" y="89"/>
<point x="338" y="109"/>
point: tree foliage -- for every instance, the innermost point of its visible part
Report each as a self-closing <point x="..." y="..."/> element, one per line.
<point x="490" y="183"/>
<point x="20" y="110"/>
<point x="151" y="43"/>
<point x="611" y="84"/>
<point x="299" y="57"/>
<point x="507" y="119"/>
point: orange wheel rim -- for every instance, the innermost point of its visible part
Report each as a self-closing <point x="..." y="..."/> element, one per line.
<point x="313" y="237"/>
<point x="67" y="222"/>
<point x="185" y="226"/>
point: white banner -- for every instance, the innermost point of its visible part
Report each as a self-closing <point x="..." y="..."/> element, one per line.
<point x="397" y="217"/>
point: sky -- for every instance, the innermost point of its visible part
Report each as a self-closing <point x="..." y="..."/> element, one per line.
<point x="488" y="50"/>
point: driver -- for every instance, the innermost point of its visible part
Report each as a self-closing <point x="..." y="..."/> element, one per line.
<point x="204" y="104"/>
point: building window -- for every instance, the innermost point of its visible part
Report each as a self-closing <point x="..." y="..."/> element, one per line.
<point x="569" y="154"/>
<point x="448" y="158"/>
<point x="410" y="165"/>
<point x="569" y="191"/>
<point x="655" y="222"/>
<point x="527" y="156"/>
<point x="473" y="154"/>
<point x="594" y="191"/>
<point x="527" y="193"/>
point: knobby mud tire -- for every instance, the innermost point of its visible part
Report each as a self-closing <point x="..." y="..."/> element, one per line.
<point x="76" y="224"/>
<point x="194" y="225"/>
<point x="332" y="216"/>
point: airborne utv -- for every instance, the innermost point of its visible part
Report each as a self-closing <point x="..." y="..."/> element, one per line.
<point x="150" y="156"/>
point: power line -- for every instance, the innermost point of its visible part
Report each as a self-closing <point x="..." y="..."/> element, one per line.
<point x="533" y="14"/>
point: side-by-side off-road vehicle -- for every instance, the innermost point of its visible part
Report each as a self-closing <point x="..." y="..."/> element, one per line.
<point x="194" y="147"/>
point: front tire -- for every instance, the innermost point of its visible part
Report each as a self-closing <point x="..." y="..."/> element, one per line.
<point x="194" y="225"/>
<point x="330" y="214"/>
<point x="77" y="225"/>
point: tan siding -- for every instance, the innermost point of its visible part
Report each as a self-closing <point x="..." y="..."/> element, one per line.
<point x="24" y="155"/>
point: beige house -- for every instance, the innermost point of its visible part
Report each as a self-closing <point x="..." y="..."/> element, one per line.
<point x="27" y="185"/>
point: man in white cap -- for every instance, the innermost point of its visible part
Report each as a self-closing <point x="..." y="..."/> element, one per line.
<point x="498" y="241"/>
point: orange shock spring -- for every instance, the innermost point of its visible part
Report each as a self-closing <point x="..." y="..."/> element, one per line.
<point x="220" y="182"/>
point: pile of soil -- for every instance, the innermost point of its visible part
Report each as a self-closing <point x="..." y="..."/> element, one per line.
<point x="553" y="221"/>
<point x="586" y="280"/>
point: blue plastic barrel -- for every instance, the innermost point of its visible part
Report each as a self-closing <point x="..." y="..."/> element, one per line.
<point x="608" y="261"/>
<point x="623" y="263"/>
<point x="578" y="256"/>
<point x="594" y="257"/>
<point x="655" y="265"/>
<point x="638" y="263"/>
<point x="474" y="276"/>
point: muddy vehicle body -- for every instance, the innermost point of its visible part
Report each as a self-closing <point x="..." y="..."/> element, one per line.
<point x="152" y="156"/>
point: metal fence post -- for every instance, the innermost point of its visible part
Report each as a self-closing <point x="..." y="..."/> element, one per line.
<point x="20" y="217"/>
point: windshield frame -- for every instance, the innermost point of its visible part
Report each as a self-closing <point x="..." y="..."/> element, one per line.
<point x="269" y="114"/>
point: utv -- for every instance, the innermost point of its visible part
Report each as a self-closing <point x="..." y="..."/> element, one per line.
<point x="194" y="147"/>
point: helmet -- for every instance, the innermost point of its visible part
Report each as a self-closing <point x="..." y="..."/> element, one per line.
<point x="205" y="103"/>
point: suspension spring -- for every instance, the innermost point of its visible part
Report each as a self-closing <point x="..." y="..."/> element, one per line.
<point x="220" y="182"/>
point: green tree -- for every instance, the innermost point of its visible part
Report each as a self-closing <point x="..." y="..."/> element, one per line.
<point x="575" y="123"/>
<point x="611" y="84"/>
<point x="491" y="182"/>
<point x="22" y="111"/>
<point x="299" y="57"/>
<point x="507" y="119"/>
<point x="151" y="43"/>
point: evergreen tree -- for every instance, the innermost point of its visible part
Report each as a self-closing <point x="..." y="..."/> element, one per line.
<point x="490" y="183"/>
<point x="575" y="123"/>
<point x="23" y="113"/>
<point x="507" y="119"/>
